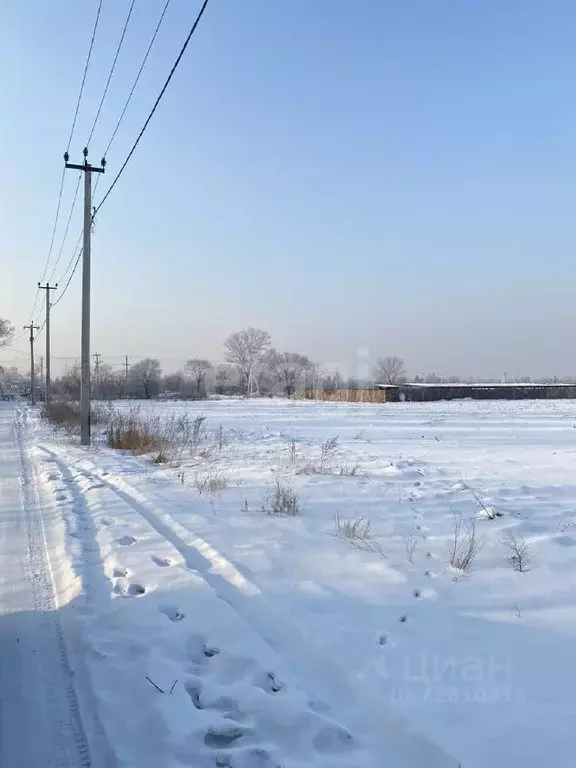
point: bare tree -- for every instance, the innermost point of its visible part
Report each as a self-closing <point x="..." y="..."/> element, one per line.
<point x="287" y="368"/>
<point x="245" y="349"/>
<point x="69" y="383"/>
<point x="390" y="370"/>
<point x="110" y="382"/>
<point x="198" y="369"/>
<point x="146" y="375"/>
<point x="6" y="332"/>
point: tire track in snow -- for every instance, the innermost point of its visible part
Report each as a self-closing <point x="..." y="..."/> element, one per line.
<point x="356" y="707"/>
<point x="71" y="743"/>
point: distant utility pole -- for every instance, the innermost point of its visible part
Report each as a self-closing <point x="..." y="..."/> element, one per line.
<point x="88" y="170"/>
<point x="97" y="357"/>
<point x="32" y="328"/>
<point x="126" y="376"/>
<point x="48" y="388"/>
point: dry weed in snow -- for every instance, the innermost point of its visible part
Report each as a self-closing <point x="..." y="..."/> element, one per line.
<point x="411" y="542"/>
<point x="465" y="545"/>
<point x="281" y="501"/>
<point x="212" y="482"/>
<point x="518" y="551"/>
<point x="359" y="532"/>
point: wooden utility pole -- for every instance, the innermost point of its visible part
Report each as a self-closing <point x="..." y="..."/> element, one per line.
<point x="48" y="387"/>
<point x="126" y="376"/>
<point x="88" y="170"/>
<point x="32" y="328"/>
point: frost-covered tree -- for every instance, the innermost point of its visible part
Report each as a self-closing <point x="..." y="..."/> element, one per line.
<point x="287" y="368"/>
<point x="6" y="332"/>
<point x="246" y="349"/>
<point x="198" y="368"/>
<point x="390" y="370"/>
<point x="146" y="376"/>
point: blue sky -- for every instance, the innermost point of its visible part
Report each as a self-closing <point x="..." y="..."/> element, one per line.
<point x="396" y="176"/>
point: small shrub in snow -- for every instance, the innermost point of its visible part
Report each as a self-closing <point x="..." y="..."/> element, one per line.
<point x="518" y="552"/>
<point x="327" y="450"/>
<point x="349" y="470"/>
<point x="311" y="469"/>
<point x="486" y="510"/>
<point x="67" y="415"/>
<point x="565" y="525"/>
<point x="281" y="501"/>
<point x="198" y="429"/>
<point x="322" y="467"/>
<point x="220" y="437"/>
<point x="358" y="532"/>
<point x="211" y="482"/>
<point x="130" y="431"/>
<point x="465" y="544"/>
<point x="411" y="542"/>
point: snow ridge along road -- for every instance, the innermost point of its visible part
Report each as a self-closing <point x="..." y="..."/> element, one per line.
<point x="40" y="722"/>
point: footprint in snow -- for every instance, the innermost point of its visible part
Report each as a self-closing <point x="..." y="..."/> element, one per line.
<point x="126" y="541"/>
<point x="194" y="688"/>
<point x="250" y="758"/>
<point x="129" y="590"/>
<point x="333" y="738"/>
<point x="210" y="651"/>
<point x="224" y="736"/>
<point x="269" y="683"/>
<point x="161" y="562"/>
<point x="172" y="613"/>
<point x="118" y="573"/>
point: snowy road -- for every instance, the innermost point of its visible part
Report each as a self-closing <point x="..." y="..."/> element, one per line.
<point x="39" y="716"/>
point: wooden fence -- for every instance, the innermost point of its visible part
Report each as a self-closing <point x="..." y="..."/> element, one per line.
<point x="347" y="395"/>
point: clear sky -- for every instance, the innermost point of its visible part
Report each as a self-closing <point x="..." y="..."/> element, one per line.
<point x="395" y="177"/>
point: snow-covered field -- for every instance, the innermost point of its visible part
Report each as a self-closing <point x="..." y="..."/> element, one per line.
<point x="205" y="631"/>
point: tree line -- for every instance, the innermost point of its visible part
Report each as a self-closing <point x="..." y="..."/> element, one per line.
<point x="252" y="366"/>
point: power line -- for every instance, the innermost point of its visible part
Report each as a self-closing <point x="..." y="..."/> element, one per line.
<point x="86" y="65"/>
<point x="78" y="102"/>
<point x="55" y="267"/>
<point x="134" y="84"/>
<point x="144" y="60"/>
<point x="111" y="71"/>
<point x="40" y="329"/>
<point x="71" y="260"/>
<point x="165" y="86"/>
<point x="59" y="299"/>
<point x="39" y="313"/>
<point x="53" y="233"/>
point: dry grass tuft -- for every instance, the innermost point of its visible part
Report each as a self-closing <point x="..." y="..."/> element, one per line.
<point x="358" y="532"/>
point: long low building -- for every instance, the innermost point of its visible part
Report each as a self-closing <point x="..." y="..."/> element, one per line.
<point x="414" y="392"/>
